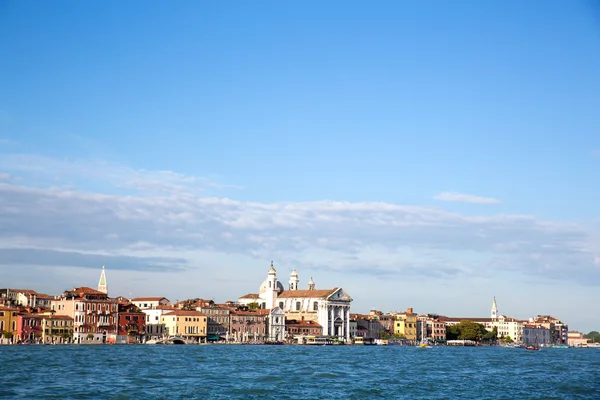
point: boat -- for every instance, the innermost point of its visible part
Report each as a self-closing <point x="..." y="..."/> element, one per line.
<point x="531" y="347"/>
<point x="560" y="346"/>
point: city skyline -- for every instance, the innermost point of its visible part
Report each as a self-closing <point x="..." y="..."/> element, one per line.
<point x="417" y="155"/>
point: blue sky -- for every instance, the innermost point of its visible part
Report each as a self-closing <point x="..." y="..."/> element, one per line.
<point x="363" y="143"/>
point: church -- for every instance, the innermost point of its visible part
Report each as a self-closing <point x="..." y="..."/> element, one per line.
<point x="330" y="308"/>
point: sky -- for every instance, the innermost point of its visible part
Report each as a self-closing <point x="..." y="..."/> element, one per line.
<point x="417" y="154"/>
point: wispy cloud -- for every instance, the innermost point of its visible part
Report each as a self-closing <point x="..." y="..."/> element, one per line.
<point x="75" y="172"/>
<point x="393" y="240"/>
<point x="465" y="198"/>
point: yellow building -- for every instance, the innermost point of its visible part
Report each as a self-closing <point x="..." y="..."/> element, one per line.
<point x="57" y="329"/>
<point x="8" y="323"/>
<point x="191" y="325"/>
<point x="405" y="325"/>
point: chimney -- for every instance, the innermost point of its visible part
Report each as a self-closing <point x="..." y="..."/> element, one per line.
<point x="409" y="310"/>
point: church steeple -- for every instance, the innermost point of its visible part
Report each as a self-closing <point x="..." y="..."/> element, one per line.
<point x="494" y="309"/>
<point x="102" y="287"/>
<point x="294" y="280"/>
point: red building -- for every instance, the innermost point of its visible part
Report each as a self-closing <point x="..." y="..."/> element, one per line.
<point x="132" y="323"/>
<point x="29" y="328"/>
<point x="295" y="328"/>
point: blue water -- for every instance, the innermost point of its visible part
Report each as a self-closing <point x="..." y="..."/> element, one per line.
<point x="296" y="372"/>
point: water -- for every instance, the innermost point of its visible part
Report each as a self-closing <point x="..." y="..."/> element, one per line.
<point x="296" y="372"/>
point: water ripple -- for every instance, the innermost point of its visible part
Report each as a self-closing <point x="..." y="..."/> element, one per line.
<point x="296" y="372"/>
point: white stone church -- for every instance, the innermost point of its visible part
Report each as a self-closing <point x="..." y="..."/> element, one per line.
<point x="330" y="308"/>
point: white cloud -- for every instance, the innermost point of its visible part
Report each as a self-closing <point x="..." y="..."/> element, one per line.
<point x="75" y="172"/>
<point x="220" y="247"/>
<point x="465" y="198"/>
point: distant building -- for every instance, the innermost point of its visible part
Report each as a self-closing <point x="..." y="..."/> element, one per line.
<point x="276" y="331"/>
<point x="330" y="308"/>
<point x="189" y="324"/>
<point x="297" y="331"/>
<point x="150" y="302"/>
<point x="577" y="339"/>
<point x="132" y="324"/>
<point x="405" y="325"/>
<point x="95" y="315"/>
<point x="536" y="335"/>
<point x="248" y="326"/>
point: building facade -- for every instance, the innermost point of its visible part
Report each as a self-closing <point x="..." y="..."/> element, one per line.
<point x="330" y="308"/>
<point x="185" y="323"/>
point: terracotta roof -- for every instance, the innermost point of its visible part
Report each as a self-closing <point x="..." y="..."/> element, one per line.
<point x="186" y="313"/>
<point x="254" y="313"/>
<point x="86" y="290"/>
<point x="322" y="293"/>
<point x="148" y="298"/>
<point x="24" y="291"/>
<point x="306" y="324"/>
<point x="250" y="296"/>
<point x="8" y="308"/>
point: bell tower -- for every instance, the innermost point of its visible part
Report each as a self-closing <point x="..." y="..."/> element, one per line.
<point x="294" y="281"/>
<point x="102" y="287"/>
<point x="494" y="309"/>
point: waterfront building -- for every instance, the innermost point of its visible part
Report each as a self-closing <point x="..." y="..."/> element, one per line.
<point x="576" y="339"/>
<point x="405" y="325"/>
<point x="374" y="325"/>
<point x="217" y="318"/>
<point x="8" y="324"/>
<point x="150" y="302"/>
<point x="57" y="328"/>
<point x="276" y="331"/>
<point x="429" y="327"/>
<point x="132" y="324"/>
<point x="536" y="335"/>
<point x="95" y="315"/>
<point x="248" y="325"/>
<point x="44" y="327"/>
<point x="186" y="323"/>
<point x="298" y="331"/>
<point x="559" y="331"/>
<point x="155" y="329"/>
<point x="29" y="328"/>
<point x="330" y="308"/>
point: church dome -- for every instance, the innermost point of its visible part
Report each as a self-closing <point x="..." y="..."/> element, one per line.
<point x="265" y="286"/>
<point x="294" y="273"/>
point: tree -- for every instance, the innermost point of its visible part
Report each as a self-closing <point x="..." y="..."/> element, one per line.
<point x="508" y="339"/>
<point x="469" y="330"/>
<point x="253" y="306"/>
<point x="492" y="335"/>
<point x="594" y="336"/>
<point x="452" y="332"/>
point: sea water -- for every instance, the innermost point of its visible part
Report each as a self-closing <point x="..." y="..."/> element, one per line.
<point x="296" y="372"/>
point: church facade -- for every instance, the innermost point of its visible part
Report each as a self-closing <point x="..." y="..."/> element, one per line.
<point x="330" y="308"/>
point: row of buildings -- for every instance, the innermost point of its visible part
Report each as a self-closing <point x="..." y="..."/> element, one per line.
<point x="274" y="314"/>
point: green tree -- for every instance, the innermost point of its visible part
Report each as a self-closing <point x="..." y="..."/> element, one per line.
<point x="469" y="330"/>
<point x="491" y="336"/>
<point x="452" y="332"/>
<point x="508" y="339"/>
<point x="594" y="336"/>
<point x="253" y="306"/>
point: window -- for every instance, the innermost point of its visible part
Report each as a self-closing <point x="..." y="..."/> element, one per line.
<point x="298" y="304"/>
<point x="316" y="306"/>
<point x="281" y="305"/>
